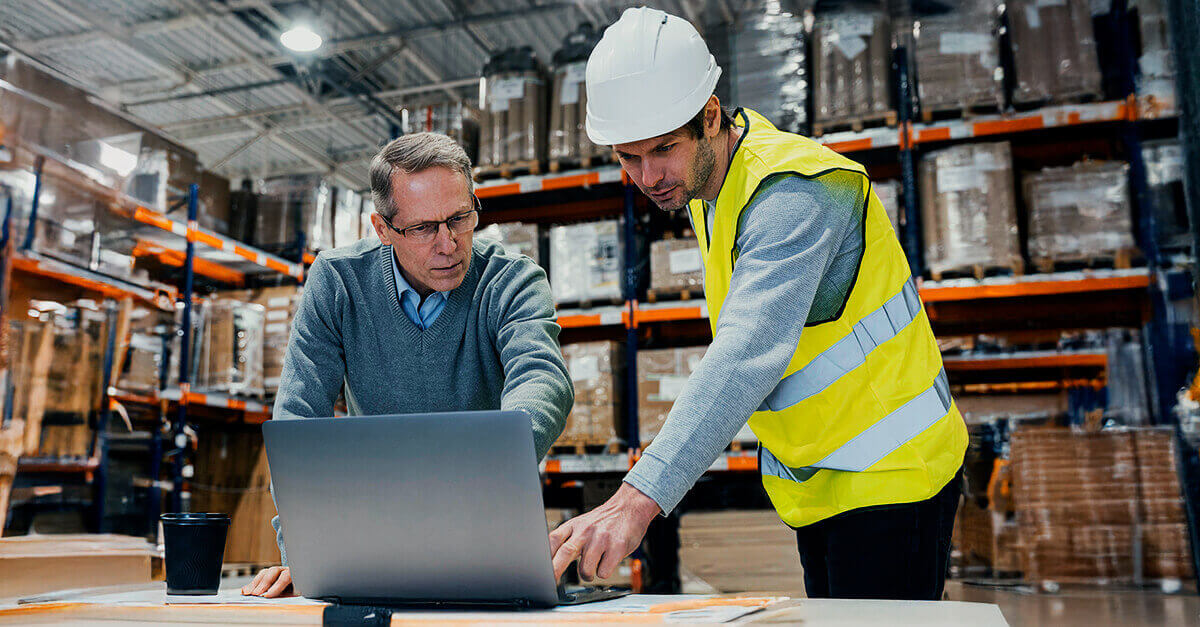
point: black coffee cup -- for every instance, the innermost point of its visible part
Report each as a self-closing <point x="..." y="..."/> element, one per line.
<point x="195" y="548"/>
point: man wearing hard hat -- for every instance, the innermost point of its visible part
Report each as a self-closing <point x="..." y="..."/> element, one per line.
<point x="819" y="337"/>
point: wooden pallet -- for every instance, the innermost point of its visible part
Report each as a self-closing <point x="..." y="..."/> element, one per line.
<point x="586" y="448"/>
<point x="1083" y="97"/>
<point x="1119" y="259"/>
<point x="653" y="295"/>
<point x="979" y="271"/>
<point x="508" y="170"/>
<point x="959" y="112"/>
<point x="854" y="123"/>
<point x="559" y="165"/>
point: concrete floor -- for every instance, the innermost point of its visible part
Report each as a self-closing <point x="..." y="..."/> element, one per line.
<point x="1084" y="607"/>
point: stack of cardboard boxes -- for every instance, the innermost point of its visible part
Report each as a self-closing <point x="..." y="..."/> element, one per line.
<point x="1098" y="507"/>
<point x="661" y="377"/>
<point x="741" y="551"/>
<point x="595" y="369"/>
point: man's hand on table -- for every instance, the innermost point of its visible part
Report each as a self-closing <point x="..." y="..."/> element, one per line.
<point x="601" y="538"/>
<point x="272" y="582"/>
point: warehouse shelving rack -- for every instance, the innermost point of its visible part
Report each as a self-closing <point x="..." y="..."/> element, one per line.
<point x="1133" y="297"/>
<point x="184" y="245"/>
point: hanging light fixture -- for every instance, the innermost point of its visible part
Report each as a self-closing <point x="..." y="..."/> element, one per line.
<point x="301" y="38"/>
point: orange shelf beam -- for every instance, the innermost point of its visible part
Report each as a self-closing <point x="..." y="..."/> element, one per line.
<point x="1081" y="360"/>
<point x="199" y="235"/>
<point x="177" y="258"/>
<point x="1033" y="288"/>
<point x="163" y="296"/>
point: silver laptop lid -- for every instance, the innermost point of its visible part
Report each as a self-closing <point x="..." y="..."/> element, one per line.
<point x="421" y="507"/>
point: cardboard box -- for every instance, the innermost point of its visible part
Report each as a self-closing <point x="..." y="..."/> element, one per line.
<point x="516" y="237"/>
<point x="661" y="377"/>
<point x="595" y="369"/>
<point x="852" y="64"/>
<point x="31" y="565"/>
<point x="585" y="262"/>
<point x="968" y="209"/>
<point x="232" y="477"/>
<point x="1079" y="212"/>
<point x="741" y="551"/>
<point x="957" y="58"/>
<point x="676" y="265"/>
<point x="1054" y="51"/>
<point x="1085" y="499"/>
<point x="512" y="123"/>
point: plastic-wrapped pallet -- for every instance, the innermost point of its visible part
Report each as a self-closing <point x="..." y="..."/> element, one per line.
<point x="1079" y="212"/>
<point x="968" y="211"/>
<point x="1164" y="175"/>
<point x="512" y="124"/>
<point x="42" y="113"/>
<point x="517" y="237"/>
<point x="347" y="217"/>
<point x="368" y="229"/>
<point x="958" y="59"/>
<point x="852" y="65"/>
<point x="585" y="262"/>
<point x="1054" y="51"/>
<point x="569" y="142"/>
<point x="279" y="307"/>
<point x="768" y="67"/>
<point x="661" y="377"/>
<point x="888" y="193"/>
<point x="675" y="266"/>
<point x="289" y="205"/>
<point x="1128" y="402"/>
<point x="231" y="348"/>
<point x="595" y="369"/>
<point x="56" y="360"/>
<point x="1156" y="85"/>
<point x="452" y="119"/>
<point x="1089" y="502"/>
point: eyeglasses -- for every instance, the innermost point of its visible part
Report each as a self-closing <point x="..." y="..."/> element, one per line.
<point x="457" y="224"/>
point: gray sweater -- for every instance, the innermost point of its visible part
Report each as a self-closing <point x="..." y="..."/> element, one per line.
<point x="494" y="346"/>
<point x="799" y="245"/>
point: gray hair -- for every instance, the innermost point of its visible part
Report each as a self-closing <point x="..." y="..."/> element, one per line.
<point x="416" y="152"/>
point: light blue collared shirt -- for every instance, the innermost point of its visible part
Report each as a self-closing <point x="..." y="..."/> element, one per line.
<point x="421" y="314"/>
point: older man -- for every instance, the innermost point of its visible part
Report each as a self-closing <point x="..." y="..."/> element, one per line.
<point x="425" y="319"/>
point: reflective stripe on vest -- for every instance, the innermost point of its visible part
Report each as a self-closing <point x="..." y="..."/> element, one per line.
<point x="847" y="353"/>
<point x="877" y="441"/>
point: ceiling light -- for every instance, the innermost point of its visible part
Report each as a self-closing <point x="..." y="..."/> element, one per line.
<point x="301" y="38"/>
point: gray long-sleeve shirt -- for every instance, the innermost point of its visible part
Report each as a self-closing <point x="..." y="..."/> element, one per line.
<point x="799" y="245"/>
<point x="494" y="346"/>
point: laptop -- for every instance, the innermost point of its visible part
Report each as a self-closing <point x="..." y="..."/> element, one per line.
<point x="442" y="508"/>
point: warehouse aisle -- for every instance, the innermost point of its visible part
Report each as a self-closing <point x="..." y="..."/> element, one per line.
<point x="1083" y="607"/>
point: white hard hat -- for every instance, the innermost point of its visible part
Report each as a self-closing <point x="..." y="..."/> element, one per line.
<point x="649" y="75"/>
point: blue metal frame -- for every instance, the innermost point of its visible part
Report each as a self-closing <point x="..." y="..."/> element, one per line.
<point x="631" y="340"/>
<point x="911" y="229"/>
<point x="181" y="452"/>
<point x="100" y="443"/>
<point x="5" y="236"/>
<point x="30" y="232"/>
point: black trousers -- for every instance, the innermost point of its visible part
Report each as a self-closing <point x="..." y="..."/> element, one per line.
<point x="882" y="552"/>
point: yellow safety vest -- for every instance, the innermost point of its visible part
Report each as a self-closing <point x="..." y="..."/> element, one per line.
<point x="863" y="415"/>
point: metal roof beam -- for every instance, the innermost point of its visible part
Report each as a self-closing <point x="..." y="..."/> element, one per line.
<point x="339" y="46"/>
<point x="119" y="33"/>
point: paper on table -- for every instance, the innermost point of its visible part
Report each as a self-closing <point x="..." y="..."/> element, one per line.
<point x="234" y="596"/>
<point x="690" y="608"/>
